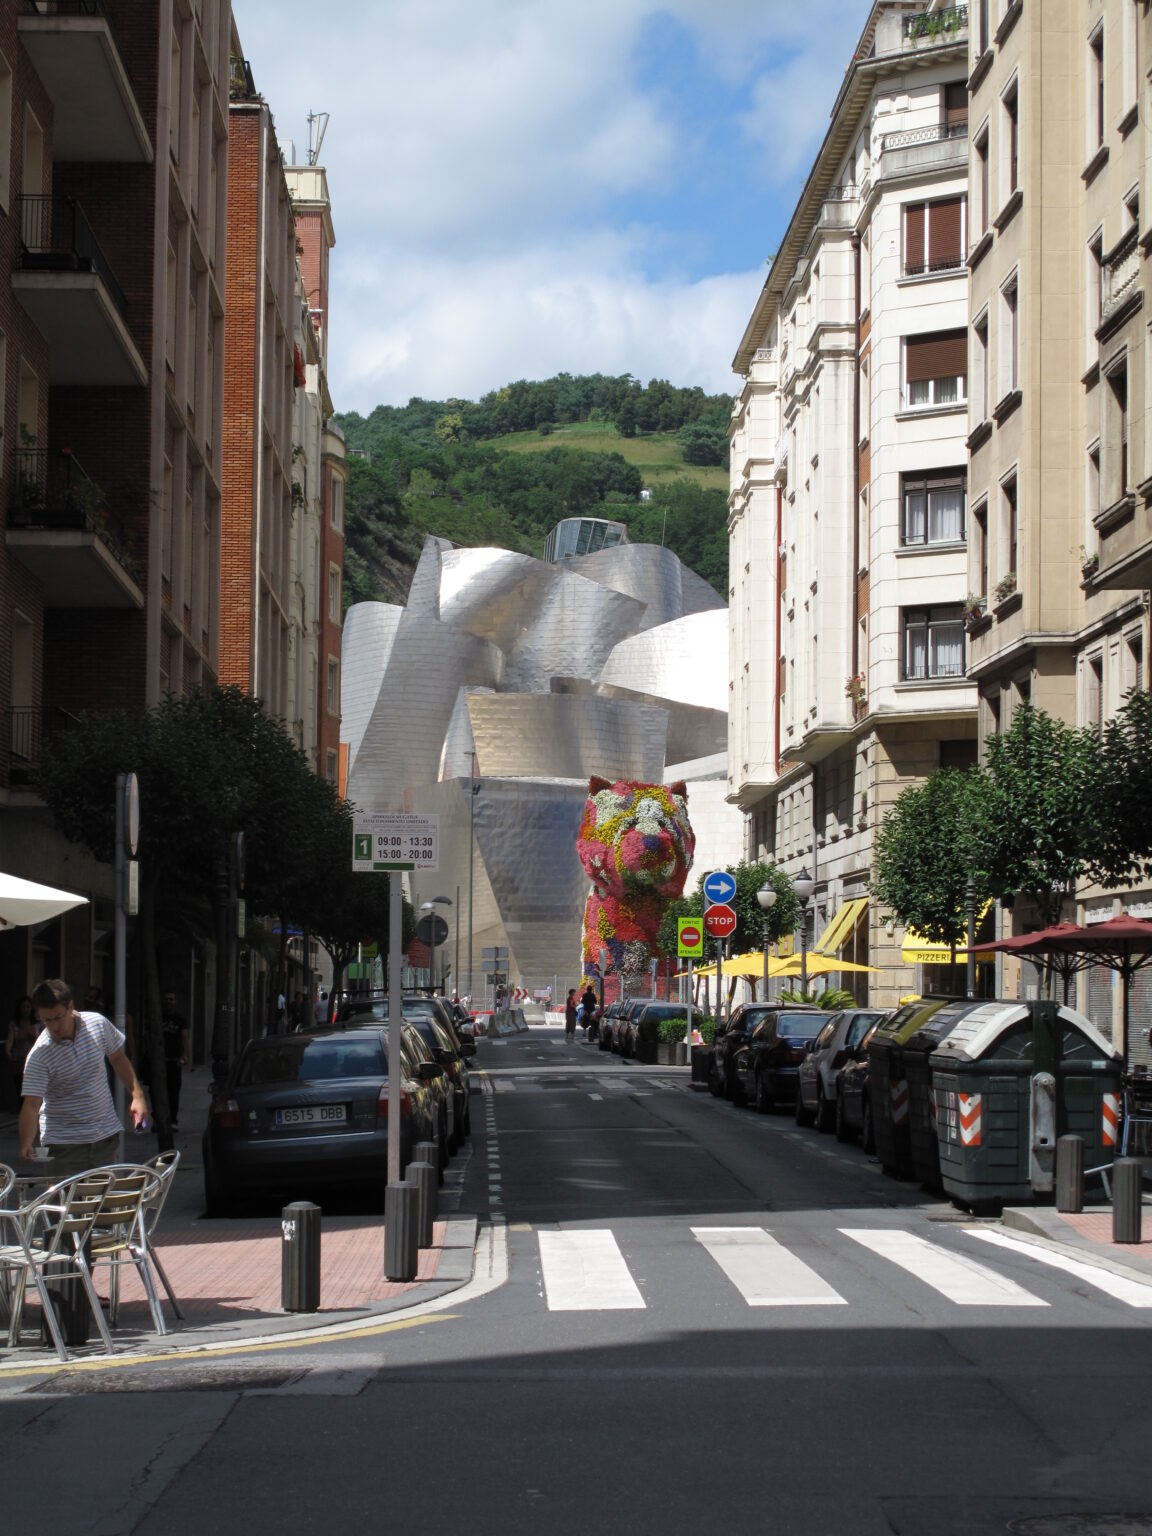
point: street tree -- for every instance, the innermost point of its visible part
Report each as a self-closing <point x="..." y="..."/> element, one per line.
<point x="1123" y="796"/>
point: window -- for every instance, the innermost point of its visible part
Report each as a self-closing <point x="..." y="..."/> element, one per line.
<point x="337" y="503"/>
<point x="980" y="400"/>
<point x="980" y="524"/>
<point x="1011" y="527"/>
<point x="1093" y="292"/>
<point x="1114" y="412"/>
<point x="1009" y="337"/>
<point x="933" y="643"/>
<point x="1094" y="694"/>
<point x="932" y="508"/>
<point x="1010" y="141"/>
<point x="1096" y="89"/>
<point x="331" y="768"/>
<point x="1133" y="662"/>
<point x="1092" y="487"/>
<point x="936" y="370"/>
<point x="983" y="29"/>
<point x="980" y="169"/>
<point x="5" y="133"/>
<point x="333" y="686"/>
<point x="783" y="678"/>
<point x="1130" y="80"/>
<point x="955" y="109"/>
<point x="334" y="593"/>
<point x="934" y="236"/>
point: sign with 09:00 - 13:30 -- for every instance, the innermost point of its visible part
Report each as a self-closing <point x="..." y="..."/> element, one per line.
<point x="395" y="840"/>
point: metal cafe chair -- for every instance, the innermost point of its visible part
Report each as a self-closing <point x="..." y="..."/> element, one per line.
<point x="44" y="1240"/>
<point x="164" y="1165"/>
<point x="117" y="1234"/>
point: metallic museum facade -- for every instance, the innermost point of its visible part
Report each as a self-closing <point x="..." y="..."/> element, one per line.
<point x="493" y="696"/>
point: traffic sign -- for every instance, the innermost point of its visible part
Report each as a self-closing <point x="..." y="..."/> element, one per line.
<point x="395" y="840"/>
<point x="719" y="886"/>
<point x="720" y="921"/>
<point x="432" y="930"/>
<point x="689" y="938"/>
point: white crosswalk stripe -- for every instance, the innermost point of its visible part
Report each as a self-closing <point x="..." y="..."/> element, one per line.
<point x="584" y="1271"/>
<point x="1133" y="1293"/>
<point x="765" y="1272"/>
<point x="960" y="1279"/>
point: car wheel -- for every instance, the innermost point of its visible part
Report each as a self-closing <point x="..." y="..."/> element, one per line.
<point x="764" y="1095"/>
<point x="733" y="1088"/>
<point x="867" y="1132"/>
<point x="843" y="1133"/>
<point x="824" y="1111"/>
<point x="803" y="1116"/>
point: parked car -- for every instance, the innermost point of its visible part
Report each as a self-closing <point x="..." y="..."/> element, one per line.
<point x="767" y="1067"/>
<point x="732" y="1035"/>
<point x="646" y="1026"/>
<point x="444" y="1050"/>
<point x="625" y="1027"/>
<point x="607" y="1023"/>
<point x="835" y="1046"/>
<point x="442" y="1091"/>
<point x="309" y="1111"/>
<point x="853" y="1101"/>
<point x="416" y="1005"/>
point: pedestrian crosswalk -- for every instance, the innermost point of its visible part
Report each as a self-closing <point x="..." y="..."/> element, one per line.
<point x="598" y="1088"/>
<point x="587" y="1270"/>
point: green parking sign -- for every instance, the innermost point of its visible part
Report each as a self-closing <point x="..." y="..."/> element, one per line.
<point x="362" y="845"/>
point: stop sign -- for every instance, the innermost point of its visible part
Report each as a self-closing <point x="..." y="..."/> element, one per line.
<point x="720" y="921"/>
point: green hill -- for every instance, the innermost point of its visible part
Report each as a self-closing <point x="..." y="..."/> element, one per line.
<point x="504" y="470"/>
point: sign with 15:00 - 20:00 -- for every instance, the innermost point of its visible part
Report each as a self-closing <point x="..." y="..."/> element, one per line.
<point x="395" y="840"/>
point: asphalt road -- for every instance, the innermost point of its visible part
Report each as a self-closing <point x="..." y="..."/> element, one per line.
<point x="686" y="1318"/>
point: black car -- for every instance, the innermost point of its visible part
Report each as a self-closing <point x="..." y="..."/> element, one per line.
<point x="624" y="1025"/>
<point x="310" y="1111"/>
<point x="416" y="1005"/>
<point x="444" y="1050"/>
<point x="853" y="1097"/>
<point x="732" y="1035"/>
<point x="646" y="1027"/>
<point x="607" y="1022"/>
<point x="767" y="1067"/>
<point x="836" y="1045"/>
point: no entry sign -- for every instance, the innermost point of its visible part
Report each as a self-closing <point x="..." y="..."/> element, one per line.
<point x="720" y="921"/>
<point x="689" y="938"/>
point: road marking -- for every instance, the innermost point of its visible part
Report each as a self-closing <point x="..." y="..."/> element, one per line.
<point x="1133" y="1293"/>
<point x="599" y="1097"/>
<point x="960" y="1279"/>
<point x="764" y="1272"/>
<point x="584" y="1271"/>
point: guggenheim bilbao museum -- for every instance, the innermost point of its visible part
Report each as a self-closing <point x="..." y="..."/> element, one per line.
<point x="500" y="688"/>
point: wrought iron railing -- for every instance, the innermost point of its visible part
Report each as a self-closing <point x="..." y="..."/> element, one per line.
<point x="54" y="492"/>
<point x="952" y="263"/>
<point x="945" y="25"/>
<point x="936" y="133"/>
<point x="55" y="236"/>
<point x="22" y="744"/>
<point x="241" y="86"/>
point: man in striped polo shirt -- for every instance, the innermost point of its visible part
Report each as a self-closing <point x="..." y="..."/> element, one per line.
<point x="66" y="1088"/>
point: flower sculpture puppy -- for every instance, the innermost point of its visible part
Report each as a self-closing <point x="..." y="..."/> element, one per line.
<point x="636" y="845"/>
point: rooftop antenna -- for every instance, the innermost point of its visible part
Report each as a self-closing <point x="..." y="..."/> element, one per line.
<point x="317" y="128"/>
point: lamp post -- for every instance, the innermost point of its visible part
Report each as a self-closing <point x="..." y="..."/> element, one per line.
<point x="804" y="885"/>
<point x="474" y="784"/>
<point x="766" y="896"/>
<point x="430" y="908"/>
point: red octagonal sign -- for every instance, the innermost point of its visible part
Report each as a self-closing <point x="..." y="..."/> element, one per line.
<point x="720" y="921"/>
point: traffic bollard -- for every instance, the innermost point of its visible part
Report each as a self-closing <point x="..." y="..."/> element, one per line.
<point x="423" y="1175"/>
<point x="682" y="1049"/>
<point x="1126" y="1212"/>
<point x="1070" y="1173"/>
<point x="429" y="1152"/>
<point x="401" y="1222"/>
<point x="300" y="1257"/>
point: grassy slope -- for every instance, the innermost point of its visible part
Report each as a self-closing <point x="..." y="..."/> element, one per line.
<point x="658" y="456"/>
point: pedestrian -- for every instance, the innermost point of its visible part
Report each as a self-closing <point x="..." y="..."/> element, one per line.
<point x="66" y="1095"/>
<point x="589" y="1001"/>
<point x="570" y="1014"/>
<point x="320" y="1009"/>
<point x="174" y="1028"/>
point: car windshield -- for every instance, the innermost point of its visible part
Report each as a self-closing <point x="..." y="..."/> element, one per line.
<point x="798" y="1024"/>
<point x="665" y="1011"/>
<point x="860" y="1026"/>
<point x="309" y="1061"/>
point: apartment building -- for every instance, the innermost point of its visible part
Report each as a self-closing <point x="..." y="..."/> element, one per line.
<point x="1060" y="559"/>
<point x="848" y="514"/>
<point x="113" y="156"/>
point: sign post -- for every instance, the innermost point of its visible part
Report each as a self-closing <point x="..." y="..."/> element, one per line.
<point x="127" y="836"/>
<point x="390" y="844"/>
<point x="690" y="947"/>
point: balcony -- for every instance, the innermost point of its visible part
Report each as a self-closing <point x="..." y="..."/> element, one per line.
<point x="64" y="281"/>
<point x="95" y="114"/>
<point x="1119" y="283"/>
<point x="914" y="151"/>
<point x="22" y="745"/>
<point x="61" y="528"/>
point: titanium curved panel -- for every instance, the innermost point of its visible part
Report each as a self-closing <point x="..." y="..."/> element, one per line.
<point x="366" y="643"/>
<point x="645" y="572"/>
<point x="571" y="633"/>
<point x="494" y="593"/>
<point x="456" y="758"/>
<point x="700" y="596"/>
<point x="685" y="661"/>
<point x="424" y="593"/>
<point x="564" y="736"/>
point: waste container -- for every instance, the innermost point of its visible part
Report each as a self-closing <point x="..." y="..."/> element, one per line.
<point x="888" y="1084"/>
<point x="917" y="1058"/>
<point x="1010" y="1080"/>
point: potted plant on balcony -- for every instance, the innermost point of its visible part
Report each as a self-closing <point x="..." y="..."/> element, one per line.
<point x="974" y="606"/>
<point x="1089" y="563"/>
<point x="856" y="690"/>
<point x="1005" y="586"/>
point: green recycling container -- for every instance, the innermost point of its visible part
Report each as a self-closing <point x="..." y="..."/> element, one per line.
<point x="989" y="1135"/>
<point x="888" y="1083"/>
<point x="917" y="1058"/>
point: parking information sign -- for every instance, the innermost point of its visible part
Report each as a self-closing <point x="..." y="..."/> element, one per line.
<point x="689" y="938"/>
<point x="395" y="841"/>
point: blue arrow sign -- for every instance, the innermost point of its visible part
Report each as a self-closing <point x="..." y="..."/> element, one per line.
<point x="719" y="886"/>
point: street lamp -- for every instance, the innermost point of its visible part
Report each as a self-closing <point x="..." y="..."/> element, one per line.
<point x="475" y="790"/>
<point x="803" y="885"/>
<point x="430" y="908"/>
<point x="766" y="896"/>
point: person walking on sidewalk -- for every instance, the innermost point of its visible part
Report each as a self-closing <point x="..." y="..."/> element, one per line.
<point x="66" y="1092"/>
<point x="174" y="1027"/>
<point x="570" y="1014"/>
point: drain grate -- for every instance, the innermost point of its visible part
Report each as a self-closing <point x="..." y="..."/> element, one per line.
<point x="1083" y="1525"/>
<point x="188" y="1378"/>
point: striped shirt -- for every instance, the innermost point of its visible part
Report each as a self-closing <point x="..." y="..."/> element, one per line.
<point x="68" y="1076"/>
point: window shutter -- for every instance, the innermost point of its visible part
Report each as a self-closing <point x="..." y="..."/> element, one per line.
<point x="944" y="234"/>
<point x="955" y="104"/>
<point x="942" y="355"/>
<point x="914" y="237"/>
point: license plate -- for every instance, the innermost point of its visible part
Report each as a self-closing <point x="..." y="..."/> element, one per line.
<point x="313" y="1114"/>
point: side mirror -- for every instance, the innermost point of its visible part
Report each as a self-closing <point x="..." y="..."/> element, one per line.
<point x="467" y="1046"/>
<point x="430" y="1071"/>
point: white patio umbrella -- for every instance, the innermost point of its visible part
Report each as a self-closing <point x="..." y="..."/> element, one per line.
<point x="23" y="902"/>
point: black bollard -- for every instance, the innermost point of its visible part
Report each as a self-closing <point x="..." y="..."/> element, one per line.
<point x="424" y="1175"/>
<point x="1070" y="1173"/>
<point x="429" y="1152"/>
<point x="401" y="1231"/>
<point x="300" y="1257"/>
<point x="1126" y="1211"/>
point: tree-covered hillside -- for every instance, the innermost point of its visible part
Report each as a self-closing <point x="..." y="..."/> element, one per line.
<point x="440" y="467"/>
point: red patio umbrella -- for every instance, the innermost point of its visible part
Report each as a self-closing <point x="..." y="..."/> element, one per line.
<point x="1046" y="942"/>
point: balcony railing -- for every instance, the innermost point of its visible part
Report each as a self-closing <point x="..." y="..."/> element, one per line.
<point x="1117" y="281"/>
<point x="55" y="236"/>
<point x="935" y="133"/>
<point x="22" y="745"/>
<point x="241" y="86"/>
<point x="944" y="25"/>
<point x="53" y="492"/>
<point x="952" y="263"/>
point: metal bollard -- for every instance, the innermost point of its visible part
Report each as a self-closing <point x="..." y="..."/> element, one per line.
<point x="401" y="1219"/>
<point x="1126" y="1210"/>
<point x="423" y="1175"/>
<point x="1070" y="1173"/>
<point x="682" y="1050"/>
<point x="429" y="1152"/>
<point x="300" y="1257"/>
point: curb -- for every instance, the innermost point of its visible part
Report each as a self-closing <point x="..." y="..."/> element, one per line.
<point x="1054" y="1233"/>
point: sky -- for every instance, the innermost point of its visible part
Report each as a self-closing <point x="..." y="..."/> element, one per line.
<point x="527" y="187"/>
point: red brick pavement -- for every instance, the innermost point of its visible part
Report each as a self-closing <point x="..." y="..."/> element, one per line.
<point x="1096" y="1226"/>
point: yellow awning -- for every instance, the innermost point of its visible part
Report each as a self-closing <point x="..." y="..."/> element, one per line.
<point x="917" y="950"/>
<point x="841" y="925"/>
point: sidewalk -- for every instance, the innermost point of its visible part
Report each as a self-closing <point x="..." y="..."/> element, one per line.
<point x="226" y="1273"/>
<point x="1087" y="1234"/>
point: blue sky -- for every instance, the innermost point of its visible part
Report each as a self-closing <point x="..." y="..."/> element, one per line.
<point x="521" y="187"/>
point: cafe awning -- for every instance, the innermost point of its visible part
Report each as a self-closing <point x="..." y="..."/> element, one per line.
<point x="917" y="950"/>
<point x="838" y="930"/>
